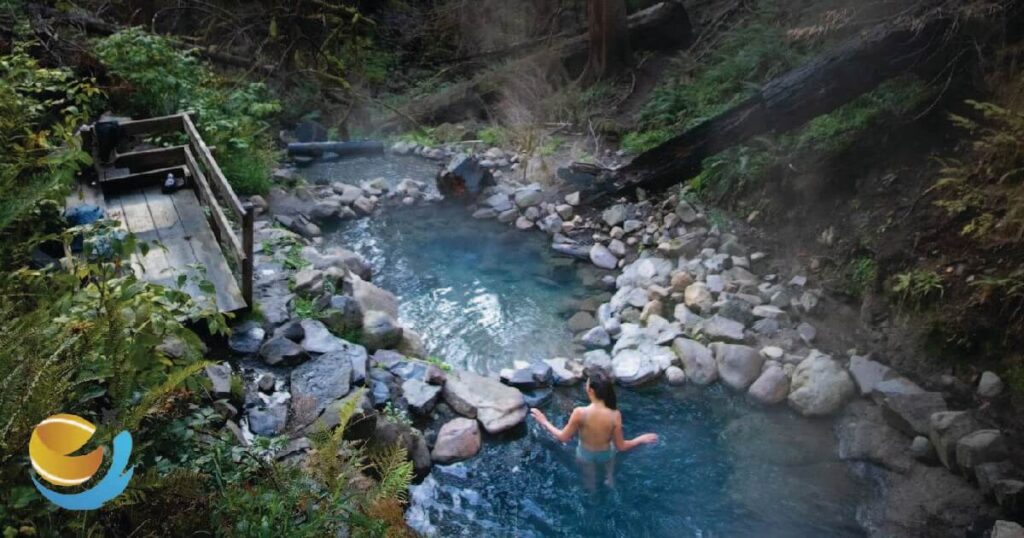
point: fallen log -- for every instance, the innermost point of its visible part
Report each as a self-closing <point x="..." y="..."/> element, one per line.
<point x="662" y="26"/>
<point x="342" y="149"/>
<point x="790" y="100"/>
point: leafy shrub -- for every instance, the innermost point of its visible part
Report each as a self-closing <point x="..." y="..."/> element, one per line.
<point x="745" y="59"/>
<point x="40" y="108"/>
<point x="915" y="288"/>
<point x="987" y="188"/>
<point x="736" y="168"/>
<point x="440" y="363"/>
<point x="1008" y="291"/>
<point x="492" y="136"/>
<point x="160" y="78"/>
<point x="232" y="116"/>
<point x="834" y="132"/>
<point x="827" y="135"/>
<point x="861" y="273"/>
<point x="396" y="415"/>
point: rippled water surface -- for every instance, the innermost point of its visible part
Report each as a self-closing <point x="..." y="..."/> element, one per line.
<point x="483" y="295"/>
<point x="355" y="170"/>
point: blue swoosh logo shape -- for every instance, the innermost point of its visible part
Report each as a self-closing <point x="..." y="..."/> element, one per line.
<point x="112" y="484"/>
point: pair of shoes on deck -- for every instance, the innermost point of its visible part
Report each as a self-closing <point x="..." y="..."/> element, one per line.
<point x="172" y="184"/>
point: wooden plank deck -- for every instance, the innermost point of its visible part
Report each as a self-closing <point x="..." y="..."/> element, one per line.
<point x="185" y="230"/>
<point x="181" y="242"/>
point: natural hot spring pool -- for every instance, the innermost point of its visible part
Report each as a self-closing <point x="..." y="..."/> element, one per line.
<point x="484" y="295"/>
<point x="481" y="293"/>
<point x="720" y="470"/>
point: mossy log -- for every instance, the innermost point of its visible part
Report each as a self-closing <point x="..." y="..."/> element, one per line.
<point x="817" y="87"/>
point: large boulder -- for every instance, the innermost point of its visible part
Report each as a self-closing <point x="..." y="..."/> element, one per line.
<point x="337" y="257"/>
<point x="318" y="383"/>
<point x="246" y="338"/>
<point x="464" y="178"/>
<point x="498" y="407"/>
<point x="910" y="413"/>
<point x="317" y="339"/>
<point x="615" y="214"/>
<point x="596" y="338"/>
<point x="388" y="434"/>
<point x="458" y="439"/>
<point x="380" y="331"/>
<point x="371" y="297"/>
<point x="945" y="431"/>
<point x="528" y="197"/>
<point x="989" y="386"/>
<point x="867" y="373"/>
<point x="982" y="446"/>
<point x="281" y="350"/>
<point x="602" y="257"/>
<point x="361" y="424"/>
<point x="738" y="365"/>
<point x="269" y="420"/>
<point x="697" y="296"/>
<point x="309" y="282"/>
<point x="1007" y="529"/>
<point x="582" y="321"/>
<point x="632" y="367"/>
<point x="722" y="328"/>
<point x="343" y="314"/>
<point x="927" y="502"/>
<point x="646" y="272"/>
<point x="675" y="375"/>
<point x="420" y="395"/>
<point x="820" y="386"/>
<point x="565" y="372"/>
<point x="598" y="360"/>
<point x="771" y="387"/>
<point x="220" y="379"/>
<point x="864" y="436"/>
<point x="698" y="363"/>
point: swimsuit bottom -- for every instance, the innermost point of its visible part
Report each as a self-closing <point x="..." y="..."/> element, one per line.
<point x="594" y="456"/>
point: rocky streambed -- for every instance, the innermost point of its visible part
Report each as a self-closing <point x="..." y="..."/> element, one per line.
<point x="715" y="341"/>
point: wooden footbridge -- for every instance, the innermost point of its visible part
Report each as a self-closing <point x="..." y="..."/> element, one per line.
<point x="201" y="231"/>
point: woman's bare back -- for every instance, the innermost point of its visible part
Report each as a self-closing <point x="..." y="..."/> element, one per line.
<point x="597" y="427"/>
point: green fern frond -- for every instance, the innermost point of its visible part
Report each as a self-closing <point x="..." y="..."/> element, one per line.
<point x="155" y="395"/>
<point x="395" y="471"/>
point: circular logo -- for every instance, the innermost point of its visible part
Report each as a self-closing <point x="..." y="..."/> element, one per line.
<point x="52" y="442"/>
<point x="51" y="449"/>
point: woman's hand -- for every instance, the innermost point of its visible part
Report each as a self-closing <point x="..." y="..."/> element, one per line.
<point x="538" y="415"/>
<point x="648" y="438"/>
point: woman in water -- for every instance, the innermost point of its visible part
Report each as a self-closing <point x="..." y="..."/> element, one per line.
<point x="600" y="427"/>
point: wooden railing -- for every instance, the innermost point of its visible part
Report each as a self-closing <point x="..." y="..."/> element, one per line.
<point x="212" y="186"/>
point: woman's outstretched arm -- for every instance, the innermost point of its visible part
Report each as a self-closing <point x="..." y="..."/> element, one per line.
<point x="563" y="435"/>
<point x="622" y="445"/>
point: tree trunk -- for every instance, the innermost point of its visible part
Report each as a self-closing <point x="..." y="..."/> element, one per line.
<point x="790" y="100"/>
<point x="607" y="31"/>
<point x="660" y="27"/>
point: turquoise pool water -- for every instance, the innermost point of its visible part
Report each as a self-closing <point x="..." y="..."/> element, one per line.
<point x="483" y="295"/>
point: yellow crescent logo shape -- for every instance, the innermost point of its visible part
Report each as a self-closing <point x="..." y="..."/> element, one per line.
<point x="52" y="442"/>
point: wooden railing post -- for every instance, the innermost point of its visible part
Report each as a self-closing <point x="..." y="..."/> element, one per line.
<point x="247" y="247"/>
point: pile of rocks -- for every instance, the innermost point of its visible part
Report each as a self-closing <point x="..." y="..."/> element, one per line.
<point x="529" y="207"/>
<point x="493" y="158"/>
<point x="297" y="373"/>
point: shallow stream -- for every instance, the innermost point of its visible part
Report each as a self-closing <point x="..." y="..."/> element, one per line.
<point x="483" y="295"/>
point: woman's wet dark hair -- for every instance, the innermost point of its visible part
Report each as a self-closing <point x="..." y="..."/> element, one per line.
<point x="603" y="386"/>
